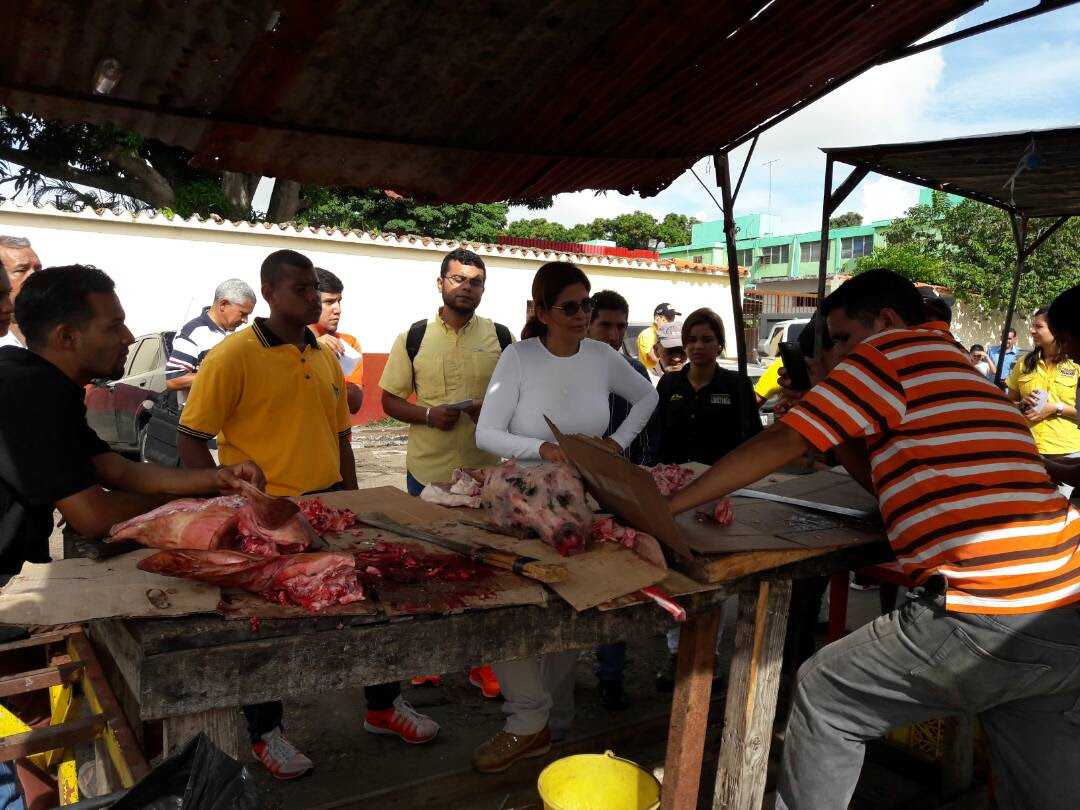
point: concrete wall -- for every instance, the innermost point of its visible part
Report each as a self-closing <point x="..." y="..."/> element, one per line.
<point x="166" y="271"/>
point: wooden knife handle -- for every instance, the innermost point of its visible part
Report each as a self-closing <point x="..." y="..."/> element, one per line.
<point x="526" y="566"/>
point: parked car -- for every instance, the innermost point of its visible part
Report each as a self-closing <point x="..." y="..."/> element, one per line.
<point x="119" y="410"/>
<point x="782" y="332"/>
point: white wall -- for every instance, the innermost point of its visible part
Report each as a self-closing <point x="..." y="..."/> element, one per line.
<point x="165" y="271"/>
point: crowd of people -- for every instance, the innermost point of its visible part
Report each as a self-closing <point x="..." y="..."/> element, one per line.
<point x="960" y="470"/>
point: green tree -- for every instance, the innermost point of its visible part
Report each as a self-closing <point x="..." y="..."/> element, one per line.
<point x="544" y="229"/>
<point x="969" y="248"/>
<point x="848" y="220"/>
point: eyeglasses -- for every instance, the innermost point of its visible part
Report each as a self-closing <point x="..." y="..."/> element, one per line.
<point x="476" y="282"/>
<point x="573" y="307"/>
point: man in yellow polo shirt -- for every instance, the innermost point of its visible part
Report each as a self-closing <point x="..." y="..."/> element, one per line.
<point x="273" y="393"/>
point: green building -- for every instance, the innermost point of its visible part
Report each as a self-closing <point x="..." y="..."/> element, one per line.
<point x="782" y="256"/>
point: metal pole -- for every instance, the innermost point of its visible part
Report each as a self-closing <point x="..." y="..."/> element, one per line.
<point x="723" y="177"/>
<point x="1019" y="229"/>
<point x="823" y="258"/>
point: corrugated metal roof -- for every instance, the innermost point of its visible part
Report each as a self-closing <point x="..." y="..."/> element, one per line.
<point x="460" y="100"/>
<point x="217" y="223"/>
<point x="1035" y="173"/>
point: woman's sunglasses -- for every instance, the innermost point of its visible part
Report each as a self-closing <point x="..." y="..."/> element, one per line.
<point x="571" y="308"/>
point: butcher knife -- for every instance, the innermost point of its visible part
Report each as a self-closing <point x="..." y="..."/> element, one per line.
<point x="497" y="558"/>
<point x="846" y="511"/>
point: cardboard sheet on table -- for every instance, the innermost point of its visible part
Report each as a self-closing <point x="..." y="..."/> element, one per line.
<point x="80" y="589"/>
<point x="674" y="584"/>
<point x="239" y="604"/>
<point x="832" y="487"/>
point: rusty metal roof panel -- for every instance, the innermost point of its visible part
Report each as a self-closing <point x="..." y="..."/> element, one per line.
<point x="465" y="100"/>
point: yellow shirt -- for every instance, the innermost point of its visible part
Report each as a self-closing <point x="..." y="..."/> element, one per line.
<point x="1055" y="435"/>
<point x="449" y="367"/>
<point x="646" y="339"/>
<point x="769" y="385"/>
<point x="271" y="403"/>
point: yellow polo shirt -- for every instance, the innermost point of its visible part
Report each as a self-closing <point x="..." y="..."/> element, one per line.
<point x="449" y="367"/>
<point x="646" y="339"/>
<point x="1055" y="435"/>
<point x="769" y="385"/>
<point x="269" y="402"/>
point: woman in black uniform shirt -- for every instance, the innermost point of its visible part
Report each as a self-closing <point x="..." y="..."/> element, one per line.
<point x="705" y="411"/>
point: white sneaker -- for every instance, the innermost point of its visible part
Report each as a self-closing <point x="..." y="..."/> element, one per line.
<point x="402" y="721"/>
<point x="281" y="757"/>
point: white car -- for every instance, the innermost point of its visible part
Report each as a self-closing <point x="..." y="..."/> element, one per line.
<point x="783" y="332"/>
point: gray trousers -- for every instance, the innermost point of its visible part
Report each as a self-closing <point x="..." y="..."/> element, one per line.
<point x="538" y="691"/>
<point x="1020" y="673"/>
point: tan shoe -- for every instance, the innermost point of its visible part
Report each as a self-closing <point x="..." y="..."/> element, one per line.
<point x="503" y="750"/>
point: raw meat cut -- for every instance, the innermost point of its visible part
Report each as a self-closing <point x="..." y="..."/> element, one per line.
<point x="325" y="519"/>
<point x="312" y="581"/>
<point x="463" y="490"/>
<point x="670" y="478"/>
<point x="253" y="522"/>
<point x="185" y="523"/>
<point x="547" y="498"/>
<point x="647" y="546"/>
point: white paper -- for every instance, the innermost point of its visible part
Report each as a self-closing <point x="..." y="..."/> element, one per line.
<point x="350" y="360"/>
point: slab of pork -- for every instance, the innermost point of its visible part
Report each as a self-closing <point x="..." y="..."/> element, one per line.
<point x="548" y="499"/>
<point x="312" y="581"/>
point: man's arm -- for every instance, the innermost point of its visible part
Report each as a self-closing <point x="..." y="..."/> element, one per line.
<point x="94" y="511"/>
<point x="181" y="383"/>
<point x="440" y="417"/>
<point x="354" y="394"/>
<point x="747" y="463"/>
<point x="194" y="453"/>
<point x="348" y="463"/>
<point x="853" y="456"/>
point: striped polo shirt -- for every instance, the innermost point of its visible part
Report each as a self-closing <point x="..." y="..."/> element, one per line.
<point x="190" y="346"/>
<point x="961" y="487"/>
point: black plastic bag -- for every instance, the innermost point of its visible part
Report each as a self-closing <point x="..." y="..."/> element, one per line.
<point x="199" y="776"/>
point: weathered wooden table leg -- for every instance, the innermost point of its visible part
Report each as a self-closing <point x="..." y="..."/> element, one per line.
<point x="751" y="695"/>
<point x="958" y="762"/>
<point x="222" y="726"/>
<point x="690" y="711"/>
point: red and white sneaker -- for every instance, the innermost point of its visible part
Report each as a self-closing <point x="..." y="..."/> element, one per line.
<point x="281" y="757"/>
<point x="403" y="721"/>
<point x="483" y="678"/>
<point x="427" y="680"/>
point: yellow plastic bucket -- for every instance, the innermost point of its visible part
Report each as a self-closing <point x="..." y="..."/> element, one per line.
<point x="597" y="782"/>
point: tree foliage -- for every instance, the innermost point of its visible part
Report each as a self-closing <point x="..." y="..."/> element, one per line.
<point x="969" y="248"/>
<point x="636" y="231"/>
<point x="846" y="220"/>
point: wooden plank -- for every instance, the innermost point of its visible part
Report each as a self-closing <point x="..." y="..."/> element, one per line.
<point x="958" y="759"/>
<point x="222" y="726"/>
<point x="689" y="711"/>
<point x="37" y="641"/>
<point x="39" y="679"/>
<point x="40" y="740"/>
<point x="726" y="568"/>
<point x="751" y="695"/>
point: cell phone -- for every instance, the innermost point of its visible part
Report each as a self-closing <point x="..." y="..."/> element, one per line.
<point x="795" y="365"/>
<point x="465" y="404"/>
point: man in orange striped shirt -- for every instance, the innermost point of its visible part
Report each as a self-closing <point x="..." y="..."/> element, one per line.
<point x="973" y="517"/>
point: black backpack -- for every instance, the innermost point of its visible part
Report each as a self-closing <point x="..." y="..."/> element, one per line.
<point x="416" y="332"/>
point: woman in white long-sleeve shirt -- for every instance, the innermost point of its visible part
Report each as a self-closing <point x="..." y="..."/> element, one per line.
<point x="555" y="371"/>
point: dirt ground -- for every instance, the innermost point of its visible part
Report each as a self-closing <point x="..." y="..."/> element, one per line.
<point x="355" y="769"/>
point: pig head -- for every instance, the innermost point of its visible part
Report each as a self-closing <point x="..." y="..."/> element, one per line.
<point x="548" y="499"/>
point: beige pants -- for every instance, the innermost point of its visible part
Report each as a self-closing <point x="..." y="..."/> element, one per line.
<point x="538" y="691"/>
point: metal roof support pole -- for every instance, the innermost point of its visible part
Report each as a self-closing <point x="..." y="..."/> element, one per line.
<point x="723" y="179"/>
<point x="830" y="202"/>
<point x="1019" y="229"/>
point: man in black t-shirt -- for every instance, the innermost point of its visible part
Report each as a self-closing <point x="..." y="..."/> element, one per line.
<point x="49" y="457"/>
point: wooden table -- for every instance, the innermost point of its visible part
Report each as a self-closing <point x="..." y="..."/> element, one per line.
<point x="193" y="672"/>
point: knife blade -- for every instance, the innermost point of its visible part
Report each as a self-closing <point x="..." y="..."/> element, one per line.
<point x="861" y="514"/>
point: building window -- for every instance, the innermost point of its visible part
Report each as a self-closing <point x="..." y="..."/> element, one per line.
<point x="777" y="254"/>
<point x="853" y="247"/>
<point x="698" y="260"/>
<point x="810" y="252"/>
<point x="745" y="257"/>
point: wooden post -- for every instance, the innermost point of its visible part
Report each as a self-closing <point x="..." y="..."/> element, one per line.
<point x="838" y="602"/>
<point x="751" y="695"/>
<point x="690" y="711"/>
<point x="222" y="726"/>
<point x="958" y="761"/>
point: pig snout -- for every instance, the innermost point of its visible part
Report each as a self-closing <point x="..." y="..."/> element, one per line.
<point x="568" y="539"/>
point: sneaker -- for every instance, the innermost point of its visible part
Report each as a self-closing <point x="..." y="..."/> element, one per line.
<point x="403" y="721"/>
<point x="665" y="676"/>
<point x="484" y="679"/>
<point x="612" y="696"/>
<point x="281" y="757"/>
<point x="504" y="749"/>
<point x="427" y="680"/>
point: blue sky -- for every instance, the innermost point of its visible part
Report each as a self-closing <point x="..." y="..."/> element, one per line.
<point x="1023" y="76"/>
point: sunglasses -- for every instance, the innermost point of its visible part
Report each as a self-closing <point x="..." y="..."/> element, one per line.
<point x="571" y="308"/>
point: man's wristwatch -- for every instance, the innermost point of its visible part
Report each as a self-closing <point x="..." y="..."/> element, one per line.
<point x="1060" y="408"/>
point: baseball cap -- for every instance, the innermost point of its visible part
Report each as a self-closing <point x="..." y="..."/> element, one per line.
<point x="666" y="310"/>
<point x="669" y="336"/>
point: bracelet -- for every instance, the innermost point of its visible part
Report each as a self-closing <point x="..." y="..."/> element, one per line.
<point x="427" y="417"/>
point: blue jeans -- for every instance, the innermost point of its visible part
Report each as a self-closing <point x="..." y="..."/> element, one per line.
<point x="1019" y="673"/>
<point x="611" y="661"/>
<point x="412" y="486"/>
